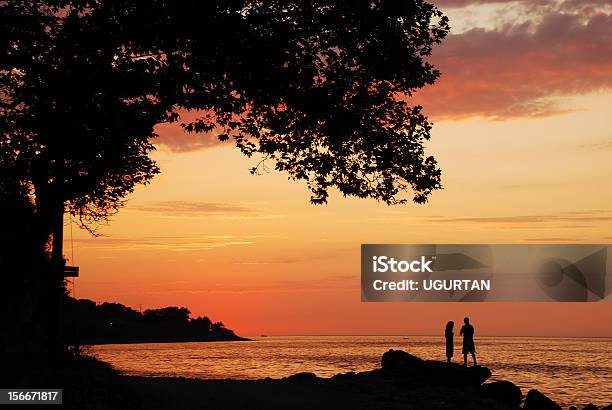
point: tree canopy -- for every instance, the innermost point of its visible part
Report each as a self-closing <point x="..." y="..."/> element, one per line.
<point x="114" y="322"/>
<point x="320" y="88"/>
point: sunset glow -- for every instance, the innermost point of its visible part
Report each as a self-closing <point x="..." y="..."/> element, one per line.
<point x="522" y="135"/>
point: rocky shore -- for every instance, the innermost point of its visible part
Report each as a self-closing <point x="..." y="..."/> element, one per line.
<point x="403" y="381"/>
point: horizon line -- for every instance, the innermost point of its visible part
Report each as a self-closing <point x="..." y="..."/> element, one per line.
<point x="428" y="335"/>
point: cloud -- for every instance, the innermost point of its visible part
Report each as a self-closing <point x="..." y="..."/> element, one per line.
<point x="199" y="210"/>
<point x="252" y="217"/>
<point x="529" y="58"/>
<point x="606" y="144"/>
<point x="182" y="208"/>
<point x="331" y="283"/>
<point x="310" y="257"/>
<point x="563" y="5"/>
<point x="551" y="240"/>
<point x="175" y="244"/>
<point x="172" y="136"/>
<point x="570" y="220"/>
<point x="520" y="70"/>
<point x="562" y="217"/>
<point x="268" y="262"/>
<point x="465" y="3"/>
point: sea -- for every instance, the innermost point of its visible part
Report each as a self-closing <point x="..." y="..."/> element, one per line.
<point x="571" y="371"/>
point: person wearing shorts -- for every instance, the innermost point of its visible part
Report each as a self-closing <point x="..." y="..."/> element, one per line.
<point x="467" y="331"/>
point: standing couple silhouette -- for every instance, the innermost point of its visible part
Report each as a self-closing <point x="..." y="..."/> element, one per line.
<point x="467" y="331"/>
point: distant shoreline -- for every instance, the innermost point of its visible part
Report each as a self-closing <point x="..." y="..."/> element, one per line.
<point x="89" y="323"/>
<point x="165" y="340"/>
<point x="435" y="335"/>
<point x="256" y="338"/>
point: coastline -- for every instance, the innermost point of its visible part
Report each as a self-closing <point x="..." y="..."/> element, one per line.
<point x="403" y="381"/>
<point x="164" y="340"/>
<point x="566" y="379"/>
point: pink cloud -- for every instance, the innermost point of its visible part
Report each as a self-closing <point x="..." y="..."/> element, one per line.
<point x="173" y="137"/>
<point x="565" y="5"/>
<point x="514" y="71"/>
<point x="464" y="3"/>
<point x="519" y="70"/>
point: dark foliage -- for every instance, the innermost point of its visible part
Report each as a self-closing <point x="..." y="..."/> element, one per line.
<point x="89" y="323"/>
<point x="320" y="89"/>
<point x="24" y="271"/>
<point x="317" y="87"/>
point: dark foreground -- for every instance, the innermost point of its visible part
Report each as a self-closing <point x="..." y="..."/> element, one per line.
<point x="403" y="382"/>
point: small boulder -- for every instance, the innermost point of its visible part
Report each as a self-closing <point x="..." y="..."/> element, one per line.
<point x="398" y="363"/>
<point x="303" y="376"/>
<point x="399" y="358"/>
<point x="538" y="401"/>
<point x="590" y="406"/>
<point x="504" y="392"/>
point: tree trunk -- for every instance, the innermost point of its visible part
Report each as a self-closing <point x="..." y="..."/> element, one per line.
<point x="50" y="215"/>
<point x="57" y="282"/>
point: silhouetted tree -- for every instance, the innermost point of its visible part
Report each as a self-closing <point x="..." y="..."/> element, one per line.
<point x="114" y="322"/>
<point x="201" y="325"/>
<point x="24" y="299"/>
<point x="319" y="88"/>
<point x="117" y="312"/>
<point x="169" y="315"/>
<point x="217" y="326"/>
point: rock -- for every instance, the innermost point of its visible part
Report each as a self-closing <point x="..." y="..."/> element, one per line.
<point x="303" y="376"/>
<point x="538" y="401"/>
<point x="344" y="376"/>
<point x="398" y="364"/>
<point x="452" y="374"/>
<point x="504" y="392"/>
<point x="590" y="406"/>
<point x="398" y="360"/>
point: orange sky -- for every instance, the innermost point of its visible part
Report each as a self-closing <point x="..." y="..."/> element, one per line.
<point x="524" y="140"/>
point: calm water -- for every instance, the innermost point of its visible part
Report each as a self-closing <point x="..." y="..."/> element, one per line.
<point x="571" y="371"/>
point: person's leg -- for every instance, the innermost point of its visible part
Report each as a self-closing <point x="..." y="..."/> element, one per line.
<point x="474" y="358"/>
<point x="465" y="359"/>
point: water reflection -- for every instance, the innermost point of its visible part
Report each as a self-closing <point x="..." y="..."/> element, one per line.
<point x="571" y="371"/>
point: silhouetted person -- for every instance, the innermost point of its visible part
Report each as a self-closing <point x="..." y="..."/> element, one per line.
<point x="450" y="346"/>
<point x="467" y="331"/>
